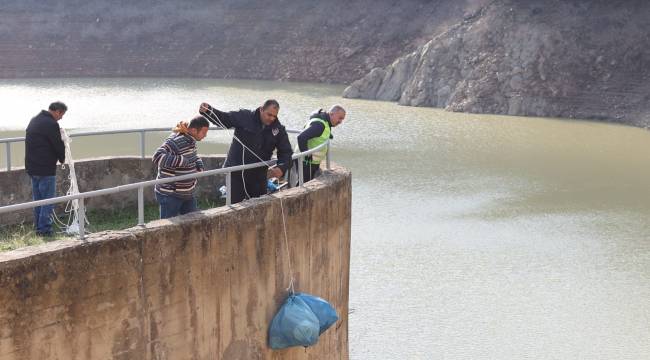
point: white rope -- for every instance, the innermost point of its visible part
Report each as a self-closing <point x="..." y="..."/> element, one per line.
<point x="216" y="118"/>
<point x="291" y="287"/>
<point x="72" y="207"/>
<point x="286" y="245"/>
<point x="243" y="181"/>
<point x="221" y="124"/>
<point x="244" y="148"/>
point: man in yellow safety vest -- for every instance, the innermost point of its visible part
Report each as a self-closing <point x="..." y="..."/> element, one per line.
<point x="318" y="130"/>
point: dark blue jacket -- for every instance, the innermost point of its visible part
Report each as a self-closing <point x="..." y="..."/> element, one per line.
<point x="43" y="145"/>
<point x="259" y="138"/>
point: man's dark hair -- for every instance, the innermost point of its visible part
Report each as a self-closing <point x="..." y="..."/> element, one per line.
<point x="198" y="123"/>
<point x="58" y="106"/>
<point x="271" y="102"/>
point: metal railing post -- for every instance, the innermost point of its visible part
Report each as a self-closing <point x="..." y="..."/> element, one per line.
<point x="8" y="156"/>
<point x="327" y="156"/>
<point x="141" y="206"/>
<point x="301" y="171"/>
<point x="229" y="188"/>
<point x="142" y="144"/>
<point x="81" y="215"/>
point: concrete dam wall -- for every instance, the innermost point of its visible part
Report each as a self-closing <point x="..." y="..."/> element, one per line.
<point x="200" y="286"/>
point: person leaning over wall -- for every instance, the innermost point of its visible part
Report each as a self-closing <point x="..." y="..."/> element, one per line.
<point x="317" y="131"/>
<point x="175" y="157"/>
<point x="258" y="133"/>
<point x="43" y="148"/>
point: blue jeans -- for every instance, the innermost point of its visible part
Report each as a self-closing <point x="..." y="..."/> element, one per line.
<point x="43" y="187"/>
<point x="172" y="206"/>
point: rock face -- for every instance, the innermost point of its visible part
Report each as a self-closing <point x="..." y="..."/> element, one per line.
<point x="302" y="40"/>
<point x="577" y="59"/>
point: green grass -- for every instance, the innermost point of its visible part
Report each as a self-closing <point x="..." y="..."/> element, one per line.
<point x="21" y="235"/>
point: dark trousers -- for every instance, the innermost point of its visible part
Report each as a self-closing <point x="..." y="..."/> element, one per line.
<point x="310" y="171"/>
<point x="171" y="206"/>
<point x="252" y="185"/>
<point x="43" y="187"/>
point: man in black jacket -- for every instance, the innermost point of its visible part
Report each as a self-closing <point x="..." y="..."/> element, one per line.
<point x="43" y="147"/>
<point x="260" y="133"/>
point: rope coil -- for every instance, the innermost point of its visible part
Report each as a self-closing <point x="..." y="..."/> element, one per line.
<point x="72" y="207"/>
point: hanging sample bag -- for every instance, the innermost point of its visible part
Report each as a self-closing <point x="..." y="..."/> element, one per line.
<point x="324" y="312"/>
<point x="300" y="321"/>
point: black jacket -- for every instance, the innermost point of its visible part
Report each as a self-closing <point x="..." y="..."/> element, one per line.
<point x="259" y="138"/>
<point x="43" y="145"/>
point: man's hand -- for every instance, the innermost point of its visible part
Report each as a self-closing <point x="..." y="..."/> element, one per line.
<point x="205" y="107"/>
<point x="275" y="172"/>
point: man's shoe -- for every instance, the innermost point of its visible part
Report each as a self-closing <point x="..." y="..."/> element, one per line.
<point x="45" y="234"/>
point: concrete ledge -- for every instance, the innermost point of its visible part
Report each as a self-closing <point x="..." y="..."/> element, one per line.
<point x="201" y="286"/>
<point x="94" y="174"/>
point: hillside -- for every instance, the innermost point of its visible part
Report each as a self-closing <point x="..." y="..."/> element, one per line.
<point x="570" y="59"/>
<point x="321" y="41"/>
<point x="573" y="59"/>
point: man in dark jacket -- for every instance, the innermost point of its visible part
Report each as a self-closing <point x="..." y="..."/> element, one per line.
<point x="43" y="147"/>
<point x="260" y="133"/>
<point x="318" y="130"/>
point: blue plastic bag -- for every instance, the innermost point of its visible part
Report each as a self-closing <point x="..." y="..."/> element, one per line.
<point x="324" y="312"/>
<point x="295" y="324"/>
<point x="271" y="187"/>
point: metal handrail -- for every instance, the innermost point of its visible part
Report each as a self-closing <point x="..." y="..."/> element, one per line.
<point x="141" y="185"/>
<point x="142" y="132"/>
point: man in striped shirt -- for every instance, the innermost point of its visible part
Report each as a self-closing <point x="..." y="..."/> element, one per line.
<point x="178" y="156"/>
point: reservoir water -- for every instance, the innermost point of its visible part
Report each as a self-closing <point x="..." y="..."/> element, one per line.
<point x="474" y="236"/>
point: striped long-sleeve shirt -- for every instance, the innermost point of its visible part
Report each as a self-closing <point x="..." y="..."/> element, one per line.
<point x="177" y="156"/>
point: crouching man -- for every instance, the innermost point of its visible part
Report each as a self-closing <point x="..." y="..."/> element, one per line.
<point x="175" y="157"/>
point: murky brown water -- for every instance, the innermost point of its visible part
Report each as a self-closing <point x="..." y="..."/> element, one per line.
<point x="474" y="237"/>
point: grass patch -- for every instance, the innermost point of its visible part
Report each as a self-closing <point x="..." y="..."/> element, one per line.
<point x="21" y="235"/>
<point x="16" y="236"/>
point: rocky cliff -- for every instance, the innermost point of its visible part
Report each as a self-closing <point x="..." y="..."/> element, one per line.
<point x="571" y="59"/>
<point x="301" y="40"/>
